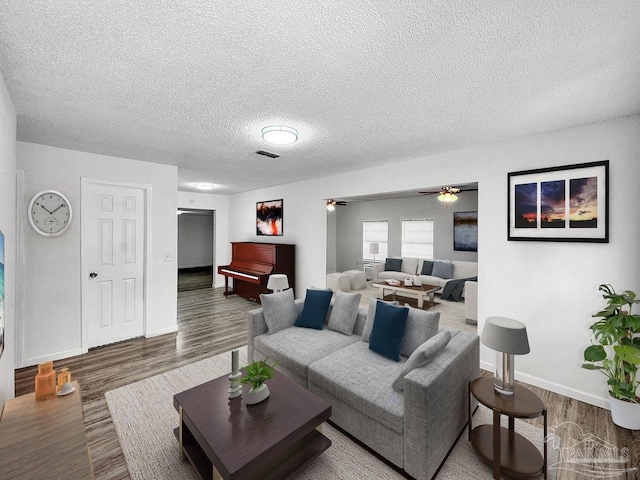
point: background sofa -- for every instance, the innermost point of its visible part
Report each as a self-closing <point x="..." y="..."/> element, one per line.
<point x="415" y="428"/>
<point x="413" y="266"/>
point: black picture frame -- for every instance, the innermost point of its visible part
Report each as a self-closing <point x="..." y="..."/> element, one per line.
<point x="269" y="218"/>
<point x="569" y="203"/>
<point x="465" y="231"/>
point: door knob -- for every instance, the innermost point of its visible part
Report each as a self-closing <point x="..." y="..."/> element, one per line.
<point x="93" y="274"/>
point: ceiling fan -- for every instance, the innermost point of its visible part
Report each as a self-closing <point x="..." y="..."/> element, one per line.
<point x="448" y="194"/>
<point x="331" y="204"/>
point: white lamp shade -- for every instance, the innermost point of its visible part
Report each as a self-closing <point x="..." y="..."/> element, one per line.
<point x="278" y="281"/>
<point x="374" y="248"/>
<point x="505" y="335"/>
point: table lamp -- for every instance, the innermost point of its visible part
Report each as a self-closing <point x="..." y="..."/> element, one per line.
<point x="507" y="337"/>
<point x="278" y="282"/>
<point x="374" y="249"/>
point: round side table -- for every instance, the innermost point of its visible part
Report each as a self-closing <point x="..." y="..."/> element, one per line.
<point x="505" y="450"/>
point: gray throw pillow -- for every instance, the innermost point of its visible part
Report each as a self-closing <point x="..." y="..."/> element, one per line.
<point x="442" y="270"/>
<point x="279" y="310"/>
<point x="422" y="355"/>
<point x="392" y="264"/>
<point x="421" y="326"/>
<point x="371" y="315"/>
<point x="344" y="312"/>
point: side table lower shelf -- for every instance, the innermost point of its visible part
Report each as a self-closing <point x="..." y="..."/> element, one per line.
<point x="528" y="461"/>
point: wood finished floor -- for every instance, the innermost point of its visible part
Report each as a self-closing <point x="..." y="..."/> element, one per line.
<point x="210" y="324"/>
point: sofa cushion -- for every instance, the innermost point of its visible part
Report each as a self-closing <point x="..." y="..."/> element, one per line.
<point x="421" y="326"/>
<point x="344" y="312"/>
<point x="421" y="356"/>
<point x="388" y="330"/>
<point x="442" y="270"/>
<point x="427" y="267"/>
<point x="465" y="269"/>
<point x="297" y="348"/>
<point x="409" y="265"/>
<point x="362" y="379"/>
<point x="393" y="264"/>
<point x="279" y="310"/>
<point x="371" y="314"/>
<point x="316" y="305"/>
<point x="431" y="280"/>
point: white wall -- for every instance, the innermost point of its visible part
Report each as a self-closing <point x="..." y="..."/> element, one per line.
<point x="8" y="228"/>
<point x="220" y="205"/>
<point x="195" y="240"/>
<point x="394" y="210"/>
<point x="52" y="318"/>
<point x="551" y="287"/>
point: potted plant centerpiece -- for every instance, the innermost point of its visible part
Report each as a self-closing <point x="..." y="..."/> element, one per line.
<point x="256" y="374"/>
<point x="617" y="329"/>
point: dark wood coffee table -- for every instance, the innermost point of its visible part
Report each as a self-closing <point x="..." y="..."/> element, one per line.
<point x="227" y="439"/>
<point x="421" y="292"/>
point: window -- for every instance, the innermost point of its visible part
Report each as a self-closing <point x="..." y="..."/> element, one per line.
<point x="375" y="232"/>
<point x="417" y="238"/>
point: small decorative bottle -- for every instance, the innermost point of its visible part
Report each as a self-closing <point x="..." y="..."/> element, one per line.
<point x="45" y="381"/>
<point x="63" y="377"/>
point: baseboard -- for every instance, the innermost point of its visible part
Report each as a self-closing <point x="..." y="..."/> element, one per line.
<point x="28" y="362"/>
<point x="162" y="331"/>
<point x="556" y="388"/>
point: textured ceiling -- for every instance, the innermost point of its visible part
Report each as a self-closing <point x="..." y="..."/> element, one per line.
<point x="192" y="82"/>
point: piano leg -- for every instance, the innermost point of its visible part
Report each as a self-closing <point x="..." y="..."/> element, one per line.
<point x="228" y="292"/>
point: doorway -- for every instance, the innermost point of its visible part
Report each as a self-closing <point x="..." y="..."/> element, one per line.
<point x="195" y="249"/>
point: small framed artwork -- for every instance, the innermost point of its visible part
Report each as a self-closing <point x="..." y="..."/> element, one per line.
<point x="465" y="231"/>
<point x="269" y="218"/>
<point x="2" y="320"/>
<point x="560" y="204"/>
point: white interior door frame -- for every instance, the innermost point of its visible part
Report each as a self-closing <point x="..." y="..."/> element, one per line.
<point x="85" y="183"/>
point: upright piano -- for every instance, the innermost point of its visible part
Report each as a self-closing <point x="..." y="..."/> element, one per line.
<point x="252" y="263"/>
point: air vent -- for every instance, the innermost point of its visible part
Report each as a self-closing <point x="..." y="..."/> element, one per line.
<point x="267" y="154"/>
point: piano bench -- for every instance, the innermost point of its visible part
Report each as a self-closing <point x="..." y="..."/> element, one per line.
<point x="339" y="281"/>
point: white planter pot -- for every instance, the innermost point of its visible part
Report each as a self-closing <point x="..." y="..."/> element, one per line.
<point x="258" y="395"/>
<point x="625" y="414"/>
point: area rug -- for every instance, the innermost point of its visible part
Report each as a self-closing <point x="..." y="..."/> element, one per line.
<point x="144" y="419"/>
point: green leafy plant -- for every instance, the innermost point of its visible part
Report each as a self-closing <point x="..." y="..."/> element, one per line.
<point x="257" y="372"/>
<point x="617" y="329"/>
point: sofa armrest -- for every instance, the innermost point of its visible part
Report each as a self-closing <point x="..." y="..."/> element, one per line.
<point x="436" y="404"/>
<point x="471" y="302"/>
<point x="376" y="268"/>
<point x="256" y="325"/>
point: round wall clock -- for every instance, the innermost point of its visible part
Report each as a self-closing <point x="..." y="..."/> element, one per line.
<point x="50" y="213"/>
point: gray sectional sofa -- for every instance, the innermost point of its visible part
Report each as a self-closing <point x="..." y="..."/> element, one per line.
<point x="415" y="428"/>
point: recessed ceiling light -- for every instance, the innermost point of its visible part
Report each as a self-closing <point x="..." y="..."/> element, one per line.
<point x="203" y="186"/>
<point x="279" y="134"/>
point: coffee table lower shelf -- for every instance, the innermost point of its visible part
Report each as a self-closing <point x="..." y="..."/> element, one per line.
<point x="281" y="466"/>
<point x="518" y="456"/>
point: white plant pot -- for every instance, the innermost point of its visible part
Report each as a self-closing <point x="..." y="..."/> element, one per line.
<point x="257" y="395"/>
<point x="625" y="414"/>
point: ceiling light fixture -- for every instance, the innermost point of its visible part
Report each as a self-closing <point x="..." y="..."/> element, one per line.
<point x="448" y="195"/>
<point x="279" y="134"/>
<point x="204" y="186"/>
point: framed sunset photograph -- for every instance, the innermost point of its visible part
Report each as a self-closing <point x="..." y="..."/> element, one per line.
<point x="560" y="204"/>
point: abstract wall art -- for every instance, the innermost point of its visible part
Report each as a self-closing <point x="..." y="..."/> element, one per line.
<point x="269" y="217"/>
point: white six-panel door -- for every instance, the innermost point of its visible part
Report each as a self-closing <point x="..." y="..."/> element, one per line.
<point x="113" y="263"/>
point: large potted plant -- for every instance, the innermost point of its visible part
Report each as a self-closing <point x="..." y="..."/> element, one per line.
<point x="617" y="354"/>
<point x="256" y="374"/>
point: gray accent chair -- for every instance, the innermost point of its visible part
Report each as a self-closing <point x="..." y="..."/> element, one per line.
<point x="414" y="429"/>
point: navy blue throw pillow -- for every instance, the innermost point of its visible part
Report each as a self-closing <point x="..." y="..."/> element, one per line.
<point x="314" y="311"/>
<point x="427" y="267"/>
<point x="392" y="264"/>
<point x="388" y="330"/>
